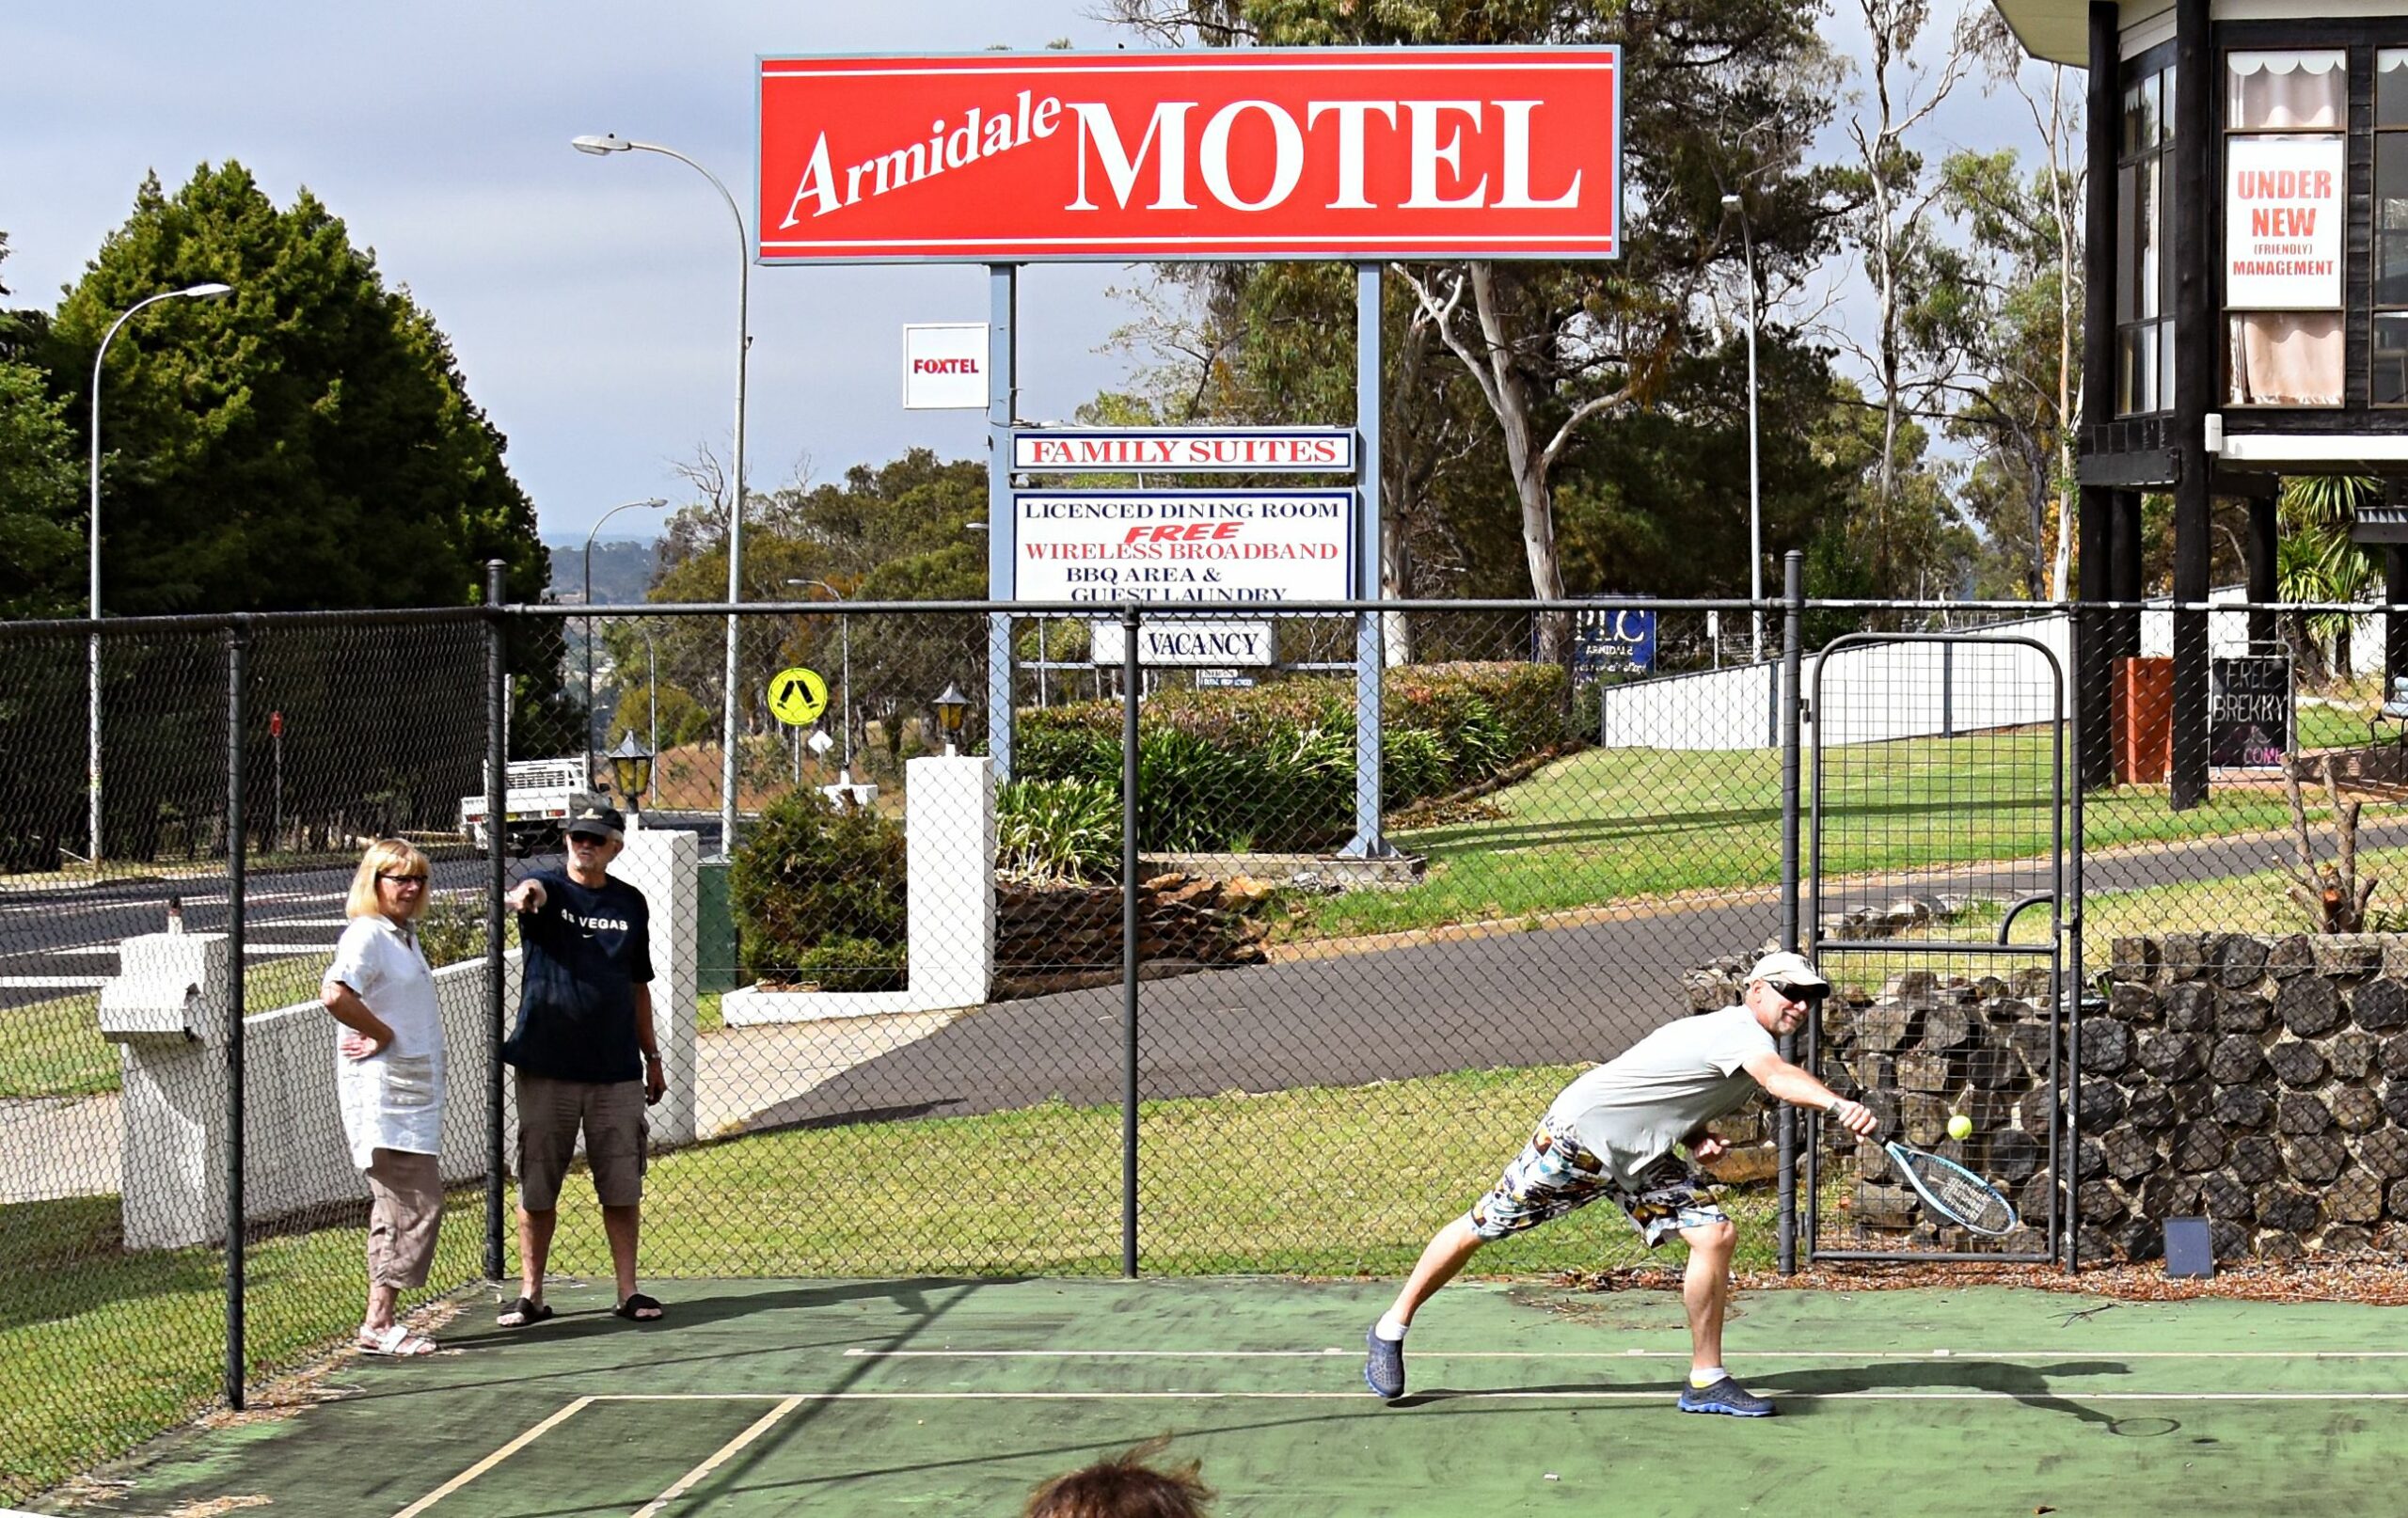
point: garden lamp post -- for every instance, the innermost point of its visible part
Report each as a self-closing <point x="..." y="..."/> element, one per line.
<point x="653" y="503"/>
<point x="630" y="769"/>
<point x="953" y="708"/>
<point x="211" y="290"/>
<point x="612" y="143"/>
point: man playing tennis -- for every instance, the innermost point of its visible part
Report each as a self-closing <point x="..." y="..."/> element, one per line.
<point x="1612" y="1133"/>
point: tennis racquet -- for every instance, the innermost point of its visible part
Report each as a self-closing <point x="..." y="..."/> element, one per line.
<point x="1955" y="1192"/>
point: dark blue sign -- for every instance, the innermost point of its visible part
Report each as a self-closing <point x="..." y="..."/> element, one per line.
<point x="1620" y="641"/>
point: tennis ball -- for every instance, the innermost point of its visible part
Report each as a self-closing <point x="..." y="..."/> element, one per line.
<point x="1961" y="1127"/>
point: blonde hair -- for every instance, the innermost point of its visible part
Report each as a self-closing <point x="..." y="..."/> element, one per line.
<point x="1125" y="1486"/>
<point x="385" y="855"/>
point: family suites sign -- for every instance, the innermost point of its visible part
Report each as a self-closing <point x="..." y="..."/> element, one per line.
<point x="1250" y="153"/>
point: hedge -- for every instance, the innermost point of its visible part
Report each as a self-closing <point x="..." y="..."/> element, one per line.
<point x="1272" y="766"/>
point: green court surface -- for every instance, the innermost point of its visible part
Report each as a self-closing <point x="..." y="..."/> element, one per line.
<point x="957" y="1397"/>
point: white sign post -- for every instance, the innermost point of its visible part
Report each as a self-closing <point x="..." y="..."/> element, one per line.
<point x="2283" y="223"/>
<point x="945" y="366"/>
<point x="1183" y="546"/>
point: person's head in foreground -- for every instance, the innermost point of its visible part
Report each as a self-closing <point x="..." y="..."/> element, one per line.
<point x="1125" y="1486"/>
<point x="1782" y="989"/>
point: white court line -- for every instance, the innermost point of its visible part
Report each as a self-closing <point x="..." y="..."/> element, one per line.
<point x="1358" y="1395"/>
<point x="686" y="1483"/>
<point x="491" y="1460"/>
<point x="2087" y="1352"/>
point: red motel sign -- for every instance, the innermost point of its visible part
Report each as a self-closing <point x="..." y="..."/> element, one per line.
<point x="1251" y="154"/>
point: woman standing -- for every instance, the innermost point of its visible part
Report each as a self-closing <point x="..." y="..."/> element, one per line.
<point x="388" y="1079"/>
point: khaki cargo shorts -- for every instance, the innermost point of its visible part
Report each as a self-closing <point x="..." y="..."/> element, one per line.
<point x="617" y="1132"/>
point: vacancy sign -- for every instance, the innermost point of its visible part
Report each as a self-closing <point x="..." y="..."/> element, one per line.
<point x="2282" y="227"/>
<point x="1243" y="153"/>
<point x="1250" y="546"/>
<point x="1202" y="640"/>
<point x="1185" y="450"/>
<point x="945" y="366"/>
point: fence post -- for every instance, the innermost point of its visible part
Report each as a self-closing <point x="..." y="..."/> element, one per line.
<point x="1793" y="644"/>
<point x="496" y="881"/>
<point x="238" y="643"/>
<point x="1129" y="675"/>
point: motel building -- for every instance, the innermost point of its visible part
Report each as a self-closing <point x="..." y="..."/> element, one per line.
<point x="2247" y="269"/>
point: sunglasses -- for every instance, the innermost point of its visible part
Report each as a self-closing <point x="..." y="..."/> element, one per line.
<point x="399" y="879"/>
<point x="1800" y="993"/>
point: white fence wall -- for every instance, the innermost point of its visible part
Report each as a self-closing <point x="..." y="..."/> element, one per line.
<point x="1876" y="693"/>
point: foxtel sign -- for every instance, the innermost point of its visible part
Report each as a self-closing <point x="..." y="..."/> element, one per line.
<point x="1250" y="153"/>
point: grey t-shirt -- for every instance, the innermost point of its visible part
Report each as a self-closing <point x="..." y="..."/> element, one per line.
<point x="1631" y="1110"/>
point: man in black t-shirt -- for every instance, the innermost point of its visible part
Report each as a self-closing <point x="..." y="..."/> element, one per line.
<point x="584" y="1052"/>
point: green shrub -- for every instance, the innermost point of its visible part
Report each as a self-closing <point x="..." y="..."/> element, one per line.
<point x="1056" y="831"/>
<point x="451" y="928"/>
<point x="1273" y="767"/>
<point x="850" y="964"/>
<point x="811" y="873"/>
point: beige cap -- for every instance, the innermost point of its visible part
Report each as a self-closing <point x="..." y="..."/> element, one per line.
<point x="1789" y="969"/>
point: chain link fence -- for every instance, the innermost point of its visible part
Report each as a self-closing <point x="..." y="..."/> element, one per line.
<point x="1183" y="991"/>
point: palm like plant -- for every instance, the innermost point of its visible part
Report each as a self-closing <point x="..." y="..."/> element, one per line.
<point x="2315" y="561"/>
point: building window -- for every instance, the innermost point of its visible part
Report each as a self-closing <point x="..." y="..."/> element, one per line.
<point x="2388" y="382"/>
<point x="2285" y="183"/>
<point x="2144" y="274"/>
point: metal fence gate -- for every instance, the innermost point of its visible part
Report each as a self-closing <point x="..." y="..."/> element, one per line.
<point x="1946" y="931"/>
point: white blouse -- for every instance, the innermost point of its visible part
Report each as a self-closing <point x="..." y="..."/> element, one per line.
<point x="393" y="1099"/>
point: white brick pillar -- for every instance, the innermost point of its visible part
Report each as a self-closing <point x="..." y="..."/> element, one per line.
<point x="667" y="867"/>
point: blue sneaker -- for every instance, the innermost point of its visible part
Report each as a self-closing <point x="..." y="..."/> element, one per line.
<point x="1728" y="1397"/>
<point x="1383" y="1366"/>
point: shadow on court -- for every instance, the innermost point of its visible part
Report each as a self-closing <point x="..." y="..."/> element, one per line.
<point x="959" y="1395"/>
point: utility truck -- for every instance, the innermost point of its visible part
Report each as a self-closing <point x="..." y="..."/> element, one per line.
<point x="537" y="795"/>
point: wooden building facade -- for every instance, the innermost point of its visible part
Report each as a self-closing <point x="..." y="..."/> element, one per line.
<point x="2247" y="265"/>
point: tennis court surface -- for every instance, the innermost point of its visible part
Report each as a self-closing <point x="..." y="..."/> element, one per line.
<point x="957" y="1397"/>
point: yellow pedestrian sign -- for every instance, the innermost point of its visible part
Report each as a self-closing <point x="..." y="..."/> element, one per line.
<point x="797" y="696"/>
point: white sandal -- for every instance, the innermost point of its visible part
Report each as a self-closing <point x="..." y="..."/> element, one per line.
<point x="392" y="1340"/>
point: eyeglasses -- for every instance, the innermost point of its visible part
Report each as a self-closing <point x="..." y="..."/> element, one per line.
<point x="401" y="879"/>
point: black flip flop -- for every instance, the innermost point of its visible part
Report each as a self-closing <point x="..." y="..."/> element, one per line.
<point x="524" y="1313"/>
<point x="638" y="1309"/>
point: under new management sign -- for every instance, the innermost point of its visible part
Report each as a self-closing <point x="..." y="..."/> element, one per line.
<point x="1247" y="153"/>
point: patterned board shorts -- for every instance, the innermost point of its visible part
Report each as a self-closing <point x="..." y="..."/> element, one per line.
<point x="1554" y="1175"/>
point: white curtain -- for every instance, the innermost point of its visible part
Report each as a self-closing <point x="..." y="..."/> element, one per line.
<point x="2286" y="358"/>
<point x="2286" y="91"/>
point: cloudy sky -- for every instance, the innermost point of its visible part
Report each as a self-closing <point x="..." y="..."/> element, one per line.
<point x="591" y="301"/>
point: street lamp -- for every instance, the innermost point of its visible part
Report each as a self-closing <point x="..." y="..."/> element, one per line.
<point x="953" y="708"/>
<point x="652" y="503"/>
<point x="630" y="769"/>
<point x="844" y="685"/>
<point x="210" y="290"/>
<point x="613" y="143"/>
<point x="1755" y="506"/>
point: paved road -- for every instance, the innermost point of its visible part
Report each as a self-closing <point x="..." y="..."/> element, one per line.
<point x="1508" y="998"/>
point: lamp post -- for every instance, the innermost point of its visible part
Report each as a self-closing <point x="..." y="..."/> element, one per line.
<point x="844" y="682"/>
<point x="651" y="503"/>
<point x="630" y="769"/>
<point x="953" y="709"/>
<point x="1755" y="507"/>
<point x="210" y="290"/>
<point x="612" y="143"/>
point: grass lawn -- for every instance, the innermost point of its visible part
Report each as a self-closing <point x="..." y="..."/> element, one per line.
<point x="99" y="1349"/>
<point x="55" y="1048"/>
<point x="1615" y="824"/>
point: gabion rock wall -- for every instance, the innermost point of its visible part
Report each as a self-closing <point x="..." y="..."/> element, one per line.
<point x="2262" y="1082"/>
